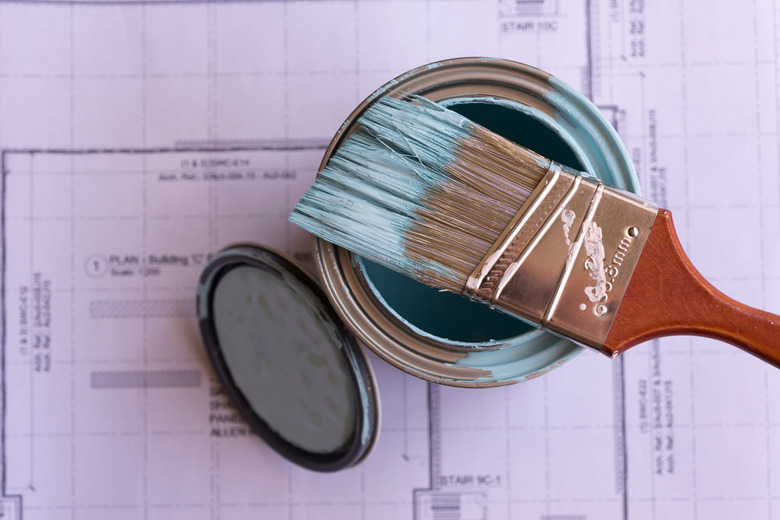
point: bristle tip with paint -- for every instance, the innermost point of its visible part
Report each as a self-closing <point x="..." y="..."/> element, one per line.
<point x="420" y="189"/>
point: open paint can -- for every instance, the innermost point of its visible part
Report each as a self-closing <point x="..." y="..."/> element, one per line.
<point x="446" y="338"/>
<point x="283" y="347"/>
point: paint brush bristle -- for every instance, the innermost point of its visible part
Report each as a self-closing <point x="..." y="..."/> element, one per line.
<point x="420" y="189"/>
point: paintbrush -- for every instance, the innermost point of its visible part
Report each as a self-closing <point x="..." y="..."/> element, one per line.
<point x="426" y="192"/>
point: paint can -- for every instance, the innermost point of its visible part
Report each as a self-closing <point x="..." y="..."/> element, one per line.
<point x="427" y="333"/>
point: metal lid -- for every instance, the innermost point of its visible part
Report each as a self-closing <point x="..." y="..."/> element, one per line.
<point x="284" y="358"/>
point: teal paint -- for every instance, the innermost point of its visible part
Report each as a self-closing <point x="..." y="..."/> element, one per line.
<point x="576" y="116"/>
<point x="454" y="317"/>
<point x="550" y="136"/>
<point x="437" y="313"/>
<point x="540" y="353"/>
<point x="521" y="127"/>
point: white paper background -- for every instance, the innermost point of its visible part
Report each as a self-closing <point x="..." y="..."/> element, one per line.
<point x="104" y="108"/>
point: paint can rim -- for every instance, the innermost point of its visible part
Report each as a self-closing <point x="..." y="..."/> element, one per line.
<point x="575" y="120"/>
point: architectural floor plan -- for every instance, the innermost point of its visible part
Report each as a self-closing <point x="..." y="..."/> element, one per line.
<point x="138" y="138"/>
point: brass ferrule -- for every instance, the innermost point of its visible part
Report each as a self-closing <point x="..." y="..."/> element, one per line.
<point x="565" y="260"/>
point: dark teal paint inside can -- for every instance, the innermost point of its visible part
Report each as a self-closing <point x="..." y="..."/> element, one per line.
<point x="452" y="316"/>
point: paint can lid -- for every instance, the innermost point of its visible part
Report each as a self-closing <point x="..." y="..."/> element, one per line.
<point x="286" y="361"/>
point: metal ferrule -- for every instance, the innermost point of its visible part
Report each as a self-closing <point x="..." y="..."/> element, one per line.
<point x="565" y="260"/>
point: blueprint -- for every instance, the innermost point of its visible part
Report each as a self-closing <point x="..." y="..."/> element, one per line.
<point x="138" y="138"/>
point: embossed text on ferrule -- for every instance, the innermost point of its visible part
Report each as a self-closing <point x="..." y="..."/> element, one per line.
<point x="603" y="274"/>
<point x="599" y="267"/>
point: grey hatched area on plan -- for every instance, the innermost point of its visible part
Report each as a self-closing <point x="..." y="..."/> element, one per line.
<point x="179" y="308"/>
<point x="145" y="379"/>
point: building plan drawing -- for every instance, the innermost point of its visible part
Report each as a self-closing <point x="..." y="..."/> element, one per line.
<point x="140" y="137"/>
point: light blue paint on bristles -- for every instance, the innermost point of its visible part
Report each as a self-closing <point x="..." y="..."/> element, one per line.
<point x="367" y="197"/>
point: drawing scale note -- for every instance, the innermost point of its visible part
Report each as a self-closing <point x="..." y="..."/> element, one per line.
<point x="139" y="138"/>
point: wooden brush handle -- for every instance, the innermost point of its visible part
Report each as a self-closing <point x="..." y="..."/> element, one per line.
<point x="667" y="296"/>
